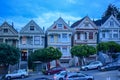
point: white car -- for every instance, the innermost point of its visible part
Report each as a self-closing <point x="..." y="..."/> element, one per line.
<point x="64" y="75"/>
<point x="17" y="73"/>
<point x="60" y="76"/>
<point x="92" y="65"/>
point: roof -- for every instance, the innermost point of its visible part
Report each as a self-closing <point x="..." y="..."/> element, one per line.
<point x="77" y="23"/>
<point x="11" y="26"/>
<point x="99" y="22"/>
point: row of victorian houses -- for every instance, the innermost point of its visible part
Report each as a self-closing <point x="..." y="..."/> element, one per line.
<point x="60" y="35"/>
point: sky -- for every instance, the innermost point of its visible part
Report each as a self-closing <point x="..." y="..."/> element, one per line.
<point x="45" y="12"/>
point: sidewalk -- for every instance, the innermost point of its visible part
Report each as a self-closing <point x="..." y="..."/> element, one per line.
<point x="72" y="69"/>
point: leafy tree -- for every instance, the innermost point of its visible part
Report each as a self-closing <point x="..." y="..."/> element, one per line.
<point x="112" y="10"/>
<point x="103" y="47"/>
<point x="45" y="55"/>
<point x="82" y="51"/>
<point x="109" y="47"/>
<point x="9" y="55"/>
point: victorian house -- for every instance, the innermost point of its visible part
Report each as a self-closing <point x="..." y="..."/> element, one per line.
<point x="31" y="38"/>
<point x="109" y="29"/>
<point x="59" y="36"/>
<point x="85" y="32"/>
<point x="8" y="34"/>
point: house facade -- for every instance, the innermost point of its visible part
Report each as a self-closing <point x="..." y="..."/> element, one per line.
<point x="109" y="30"/>
<point x="8" y="34"/>
<point x="31" y="38"/>
<point x="85" y="32"/>
<point x="59" y="36"/>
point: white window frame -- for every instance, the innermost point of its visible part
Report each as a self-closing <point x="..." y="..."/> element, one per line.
<point x="37" y="40"/>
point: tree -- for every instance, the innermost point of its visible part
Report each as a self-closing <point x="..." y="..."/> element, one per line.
<point x="109" y="47"/>
<point x="45" y="55"/>
<point x="9" y="55"/>
<point x="103" y="47"/>
<point x="111" y="10"/>
<point x="82" y="51"/>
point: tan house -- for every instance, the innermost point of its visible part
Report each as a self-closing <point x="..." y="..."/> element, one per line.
<point x="59" y="35"/>
<point x="85" y="32"/>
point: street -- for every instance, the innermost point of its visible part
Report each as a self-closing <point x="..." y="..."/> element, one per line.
<point x="107" y="75"/>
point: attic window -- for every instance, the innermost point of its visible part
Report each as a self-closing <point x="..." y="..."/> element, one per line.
<point x="86" y="24"/>
<point x="31" y="28"/>
<point x="59" y="26"/>
<point x="5" y="30"/>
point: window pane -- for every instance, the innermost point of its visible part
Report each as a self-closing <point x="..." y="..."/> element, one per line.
<point x="37" y="40"/>
<point x="90" y="35"/>
<point x="59" y="26"/>
<point x="31" y="27"/>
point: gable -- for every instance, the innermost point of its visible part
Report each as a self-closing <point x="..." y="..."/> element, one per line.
<point x="86" y="23"/>
<point x="31" y="27"/>
<point x="112" y="22"/>
<point x="7" y="29"/>
<point x="60" y="24"/>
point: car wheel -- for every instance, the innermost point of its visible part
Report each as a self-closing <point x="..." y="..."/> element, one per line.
<point x="89" y="79"/>
<point x="8" y="78"/>
<point x="61" y="79"/>
<point x="48" y="73"/>
<point x="98" y="67"/>
<point x="86" y="69"/>
<point x="22" y="76"/>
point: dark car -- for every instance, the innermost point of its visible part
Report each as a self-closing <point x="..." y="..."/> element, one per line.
<point x="54" y="70"/>
<point x="110" y="66"/>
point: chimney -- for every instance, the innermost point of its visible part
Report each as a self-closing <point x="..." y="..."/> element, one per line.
<point x="43" y="29"/>
<point x="69" y="23"/>
<point x="12" y="24"/>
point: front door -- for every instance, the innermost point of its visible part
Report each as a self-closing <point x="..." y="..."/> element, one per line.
<point x="24" y="55"/>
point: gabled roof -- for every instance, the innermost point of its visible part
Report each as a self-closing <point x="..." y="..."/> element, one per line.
<point x="10" y="26"/>
<point x="61" y="21"/>
<point x="77" y="23"/>
<point x="99" y="22"/>
<point x="26" y="28"/>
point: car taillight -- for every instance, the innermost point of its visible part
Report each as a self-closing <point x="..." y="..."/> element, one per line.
<point x="54" y="77"/>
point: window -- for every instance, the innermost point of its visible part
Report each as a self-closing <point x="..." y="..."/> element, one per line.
<point x="86" y="23"/>
<point x="111" y="23"/>
<point x="32" y="28"/>
<point x="78" y="35"/>
<point x="51" y="38"/>
<point x="37" y="40"/>
<point x="64" y="49"/>
<point x="24" y="39"/>
<point x="115" y="35"/>
<point x="90" y="35"/>
<point x="103" y="35"/>
<point x="59" y="37"/>
<point x="64" y="37"/>
<point x="59" y="26"/>
<point x="5" y="30"/>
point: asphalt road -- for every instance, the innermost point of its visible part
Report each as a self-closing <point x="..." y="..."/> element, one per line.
<point x="98" y="75"/>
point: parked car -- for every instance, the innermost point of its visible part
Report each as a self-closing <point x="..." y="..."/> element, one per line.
<point x="54" y="70"/>
<point x="61" y="75"/>
<point x="64" y="75"/>
<point x="92" y="65"/>
<point x="16" y="74"/>
<point x="110" y="66"/>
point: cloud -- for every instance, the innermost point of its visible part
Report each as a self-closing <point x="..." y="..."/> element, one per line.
<point x="44" y="20"/>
